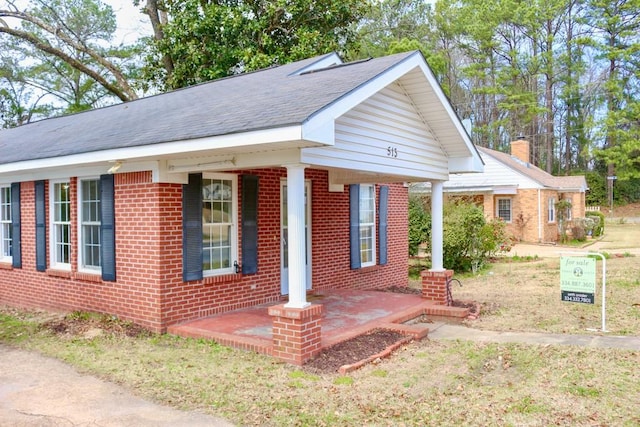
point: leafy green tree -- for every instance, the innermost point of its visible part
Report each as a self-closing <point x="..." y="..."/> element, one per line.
<point x="197" y="41"/>
<point x="615" y="38"/>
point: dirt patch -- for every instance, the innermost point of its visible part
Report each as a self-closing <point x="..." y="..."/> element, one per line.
<point x="354" y="350"/>
<point x="89" y="326"/>
<point x="401" y="290"/>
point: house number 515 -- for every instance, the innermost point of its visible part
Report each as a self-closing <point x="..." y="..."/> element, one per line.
<point x="392" y="151"/>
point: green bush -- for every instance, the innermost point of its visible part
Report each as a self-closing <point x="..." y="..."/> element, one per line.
<point x="598" y="228"/>
<point x="469" y="240"/>
<point x="419" y="224"/>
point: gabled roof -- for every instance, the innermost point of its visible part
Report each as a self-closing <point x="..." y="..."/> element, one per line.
<point x="545" y="179"/>
<point x="293" y="104"/>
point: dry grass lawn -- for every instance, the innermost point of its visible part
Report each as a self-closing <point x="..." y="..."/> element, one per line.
<point x="425" y="383"/>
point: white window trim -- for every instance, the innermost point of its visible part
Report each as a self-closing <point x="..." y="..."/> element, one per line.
<point x="234" y="226"/>
<point x="372" y="225"/>
<point x="52" y="242"/>
<point x="551" y="210"/>
<point x="3" y="222"/>
<point x="510" y="209"/>
<point x="570" y="208"/>
<point x="81" y="264"/>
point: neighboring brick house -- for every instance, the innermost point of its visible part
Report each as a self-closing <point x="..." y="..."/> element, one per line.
<point x="521" y="194"/>
<point x="227" y="194"/>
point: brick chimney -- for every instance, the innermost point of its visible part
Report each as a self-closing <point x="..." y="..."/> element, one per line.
<point x="520" y="149"/>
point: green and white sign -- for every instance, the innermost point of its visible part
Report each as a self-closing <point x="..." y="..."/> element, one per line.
<point x="578" y="279"/>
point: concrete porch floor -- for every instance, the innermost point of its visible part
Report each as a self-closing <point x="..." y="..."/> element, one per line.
<point x="346" y="314"/>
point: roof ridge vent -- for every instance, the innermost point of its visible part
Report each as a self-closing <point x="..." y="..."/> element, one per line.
<point x="334" y="66"/>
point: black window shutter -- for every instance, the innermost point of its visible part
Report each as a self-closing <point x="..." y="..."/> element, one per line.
<point x="382" y="224"/>
<point x="41" y="227"/>
<point x="108" y="227"/>
<point x="192" y="255"/>
<point x="354" y="225"/>
<point x="16" y="244"/>
<point x="249" y="224"/>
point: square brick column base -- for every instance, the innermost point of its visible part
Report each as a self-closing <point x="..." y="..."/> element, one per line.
<point x="434" y="286"/>
<point x="296" y="332"/>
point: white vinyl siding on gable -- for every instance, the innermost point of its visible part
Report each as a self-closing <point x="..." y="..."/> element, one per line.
<point x="5" y="224"/>
<point x="385" y="135"/>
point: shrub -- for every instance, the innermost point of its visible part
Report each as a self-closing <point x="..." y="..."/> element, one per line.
<point x="598" y="228"/>
<point x="578" y="232"/>
<point x="468" y="239"/>
<point x="419" y="224"/>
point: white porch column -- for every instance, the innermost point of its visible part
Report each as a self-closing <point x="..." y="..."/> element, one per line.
<point x="437" y="206"/>
<point x="297" y="249"/>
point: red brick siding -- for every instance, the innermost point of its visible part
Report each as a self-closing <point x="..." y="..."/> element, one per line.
<point x="149" y="288"/>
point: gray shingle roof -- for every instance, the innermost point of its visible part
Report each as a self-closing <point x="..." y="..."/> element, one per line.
<point x="535" y="173"/>
<point x="269" y="98"/>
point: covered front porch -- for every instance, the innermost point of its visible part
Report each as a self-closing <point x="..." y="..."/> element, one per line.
<point x="344" y="315"/>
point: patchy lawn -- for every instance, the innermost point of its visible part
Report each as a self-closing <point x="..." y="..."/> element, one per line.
<point x="423" y="383"/>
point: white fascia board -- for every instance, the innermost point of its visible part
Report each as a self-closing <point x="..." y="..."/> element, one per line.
<point x="266" y="136"/>
<point x="94" y="169"/>
<point x="471" y="164"/>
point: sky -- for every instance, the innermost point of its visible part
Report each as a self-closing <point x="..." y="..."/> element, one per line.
<point x="131" y="23"/>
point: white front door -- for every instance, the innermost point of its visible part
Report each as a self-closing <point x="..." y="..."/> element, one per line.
<point x="284" y="243"/>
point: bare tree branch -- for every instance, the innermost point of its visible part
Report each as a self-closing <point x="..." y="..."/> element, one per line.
<point x="122" y="90"/>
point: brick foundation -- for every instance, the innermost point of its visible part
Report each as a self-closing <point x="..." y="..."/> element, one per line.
<point x="296" y="332"/>
<point x="434" y="286"/>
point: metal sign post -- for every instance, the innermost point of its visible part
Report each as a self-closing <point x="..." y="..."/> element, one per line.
<point x="578" y="297"/>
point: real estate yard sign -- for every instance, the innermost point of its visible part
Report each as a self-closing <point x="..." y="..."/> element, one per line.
<point x="578" y="279"/>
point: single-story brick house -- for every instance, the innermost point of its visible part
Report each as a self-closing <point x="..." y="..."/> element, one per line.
<point x="521" y="194"/>
<point x="227" y="194"/>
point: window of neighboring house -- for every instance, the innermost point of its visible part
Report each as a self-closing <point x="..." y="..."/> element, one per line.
<point x="569" y="209"/>
<point x="219" y="230"/>
<point x="367" y="225"/>
<point x="504" y="209"/>
<point x="551" y="217"/>
<point x="5" y="223"/>
<point x="89" y="215"/>
<point x="60" y="225"/>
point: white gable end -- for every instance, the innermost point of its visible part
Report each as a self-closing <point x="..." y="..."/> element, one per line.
<point x="496" y="174"/>
<point x="386" y="135"/>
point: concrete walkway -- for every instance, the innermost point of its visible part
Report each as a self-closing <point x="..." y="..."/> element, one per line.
<point x="40" y="391"/>
<point x="458" y="332"/>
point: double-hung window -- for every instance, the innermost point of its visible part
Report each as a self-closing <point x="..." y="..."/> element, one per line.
<point x="60" y="225"/>
<point x="6" y="235"/>
<point x="368" y="233"/>
<point x="551" y="214"/>
<point x="367" y="225"/>
<point x="504" y="209"/>
<point x="89" y="230"/>
<point x="219" y="230"/>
